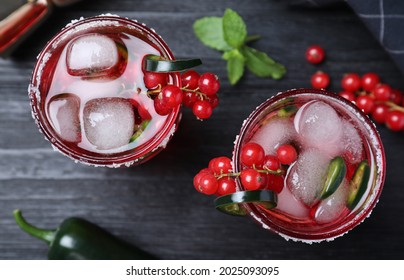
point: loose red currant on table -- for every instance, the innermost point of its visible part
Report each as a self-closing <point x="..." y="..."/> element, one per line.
<point x="351" y="82"/>
<point x="251" y="179"/>
<point x="202" y="109"/>
<point x="286" y="154"/>
<point x="153" y="79"/>
<point x="190" y="79"/>
<point x="252" y="154"/>
<point x="226" y="185"/>
<point x="395" y="120"/>
<point x="382" y="92"/>
<point x="379" y="113"/>
<point x="347" y="95"/>
<point x="369" y="81"/>
<point x="320" y="80"/>
<point x="365" y="103"/>
<point x="315" y="54"/>
<point x="208" y="83"/>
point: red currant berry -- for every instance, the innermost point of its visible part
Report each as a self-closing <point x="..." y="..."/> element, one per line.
<point x="220" y="165"/>
<point x="153" y="79"/>
<point x="189" y="98"/>
<point x="202" y="109"/>
<point x="271" y="162"/>
<point x="351" y="82"/>
<point x="198" y="177"/>
<point x="208" y="184"/>
<point x="252" y="154"/>
<point x="396" y="96"/>
<point x="171" y="96"/>
<point x="315" y="54"/>
<point x="395" y="120"/>
<point x="365" y="103"/>
<point x="213" y="100"/>
<point x="286" y="154"/>
<point x="161" y="108"/>
<point x="382" y="92"/>
<point x="190" y="79"/>
<point x="251" y="179"/>
<point x="320" y="80"/>
<point x="369" y="81"/>
<point x="275" y="183"/>
<point x="209" y="83"/>
<point x="347" y="95"/>
<point x="379" y="113"/>
<point x="226" y="186"/>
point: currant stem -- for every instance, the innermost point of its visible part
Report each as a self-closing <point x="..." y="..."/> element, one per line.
<point x="269" y="171"/>
<point x="228" y="175"/>
<point x="154" y="91"/>
<point x="394" y="106"/>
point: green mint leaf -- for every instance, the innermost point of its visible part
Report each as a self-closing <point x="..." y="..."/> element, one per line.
<point x="235" y="65"/>
<point x="262" y="65"/>
<point x="234" y="29"/>
<point x="209" y="31"/>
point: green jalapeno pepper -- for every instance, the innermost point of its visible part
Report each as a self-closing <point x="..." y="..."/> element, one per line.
<point x="76" y="238"/>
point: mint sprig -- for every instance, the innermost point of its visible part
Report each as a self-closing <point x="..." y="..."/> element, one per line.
<point x="228" y="34"/>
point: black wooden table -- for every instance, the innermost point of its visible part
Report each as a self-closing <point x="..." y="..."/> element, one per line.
<point x="155" y="206"/>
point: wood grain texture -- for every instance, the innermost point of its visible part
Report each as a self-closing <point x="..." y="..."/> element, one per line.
<point x="155" y="206"/>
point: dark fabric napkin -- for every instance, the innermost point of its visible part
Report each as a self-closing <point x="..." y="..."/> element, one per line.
<point x="384" y="18"/>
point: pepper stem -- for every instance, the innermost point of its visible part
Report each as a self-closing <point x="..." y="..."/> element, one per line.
<point x="43" y="234"/>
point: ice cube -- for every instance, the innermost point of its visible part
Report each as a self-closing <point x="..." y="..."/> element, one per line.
<point x="320" y="127"/>
<point x="331" y="208"/>
<point x="305" y="177"/>
<point x="276" y="132"/>
<point x="352" y="142"/>
<point x="63" y="110"/>
<point x="92" y="55"/>
<point x="109" y="122"/>
<point x="289" y="204"/>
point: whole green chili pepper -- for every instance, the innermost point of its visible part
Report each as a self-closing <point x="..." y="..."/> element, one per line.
<point x="77" y="238"/>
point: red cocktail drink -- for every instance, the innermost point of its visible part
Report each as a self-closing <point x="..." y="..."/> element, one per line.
<point x="337" y="176"/>
<point x="88" y="94"/>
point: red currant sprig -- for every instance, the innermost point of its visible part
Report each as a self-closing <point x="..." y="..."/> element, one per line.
<point x="259" y="171"/>
<point x="374" y="98"/>
<point x="320" y="80"/>
<point x="199" y="92"/>
<point x="383" y="103"/>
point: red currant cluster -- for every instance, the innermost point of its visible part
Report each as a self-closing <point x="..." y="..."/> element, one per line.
<point x="217" y="178"/>
<point x="260" y="171"/>
<point x="383" y="103"/>
<point x="198" y="92"/>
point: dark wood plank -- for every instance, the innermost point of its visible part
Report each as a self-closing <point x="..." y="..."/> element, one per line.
<point x="154" y="205"/>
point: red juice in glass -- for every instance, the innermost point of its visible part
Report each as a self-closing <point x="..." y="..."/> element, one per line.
<point x="338" y="174"/>
<point x="88" y="95"/>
